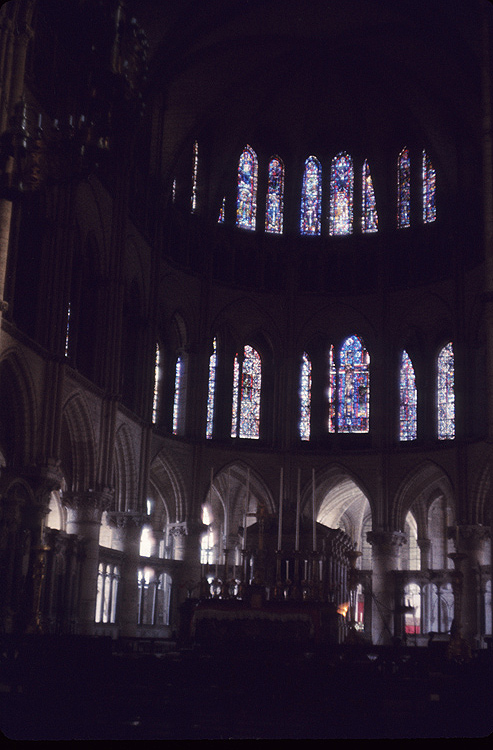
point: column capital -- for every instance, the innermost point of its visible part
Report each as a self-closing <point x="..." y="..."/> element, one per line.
<point x="387" y="541"/>
<point x="126" y="519"/>
<point x="89" y="505"/>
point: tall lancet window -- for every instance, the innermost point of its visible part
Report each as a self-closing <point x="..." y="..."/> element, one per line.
<point x="157" y="380"/>
<point x="404" y="189"/>
<point x="311" y="197"/>
<point x="275" y="197"/>
<point x="341" y="195"/>
<point x="247" y="381"/>
<point x="408" y="400"/>
<point x="353" y="387"/>
<point x="305" y="396"/>
<point x="220" y="218"/>
<point x="369" y="215"/>
<point x="179" y="396"/>
<point x="446" y="393"/>
<point x="246" y="204"/>
<point x="429" y="190"/>
<point x="212" y="390"/>
<point x="195" y="168"/>
<point x="67" y="332"/>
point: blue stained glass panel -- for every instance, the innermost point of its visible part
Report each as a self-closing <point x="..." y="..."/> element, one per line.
<point x="403" y="189"/>
<point x="429" y="190"/>
<point x="305" y="397"/>
<point x="211" y="391"/>
<point x="353" y="389"/>
<point x="311" y="197"/>
<point x="408" y="400"/>
<point x="246" y="205"/>
<point x="275" y="197"/>
<point x="369" y="215"/>
<point x="446" y="393"/>
<point x="245" y="421"/>
<point x="341" y="195"/>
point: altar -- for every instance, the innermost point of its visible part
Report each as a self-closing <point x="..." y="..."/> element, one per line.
<point x="217" y="622"/>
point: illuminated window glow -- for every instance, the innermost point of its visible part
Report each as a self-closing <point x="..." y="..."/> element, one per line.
<point x="446" y="393"/>
<point x="275" y="197"/>
<point x="408" y="400"/>
<point x="220" y="219"/>
<point x="353" y="387"/>
<point x="429" y="190"/>
<point x="369" y="215"/>
<point x="194" y="175"/>
<point x="341" y="195"/>
<point x="177" y="395"/>
<point x="211" y="391"/>
<point x="403" y="189"/>
<point x="245" y="421"/>
<point x="157" y="377"/>
<point x="246" y="205"/>
<point x="311" y="197"/>
<point x="305" y="397"/>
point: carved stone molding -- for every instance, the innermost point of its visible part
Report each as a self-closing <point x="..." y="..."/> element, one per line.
<point x="178" y="529"/>
<point x="387" y="542"/>
<point x="126" y="519"/>
<point x="88" y="506"/>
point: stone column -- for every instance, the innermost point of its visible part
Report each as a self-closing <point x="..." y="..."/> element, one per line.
<point x="386" y="546"/>
<point x="84" y="511"/>
<point x="425" y="549"/>
<point x="128" y="528"/>
<point x="470" y="541"/>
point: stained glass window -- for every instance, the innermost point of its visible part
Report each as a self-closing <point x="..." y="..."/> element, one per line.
<point x="332" y="391"/>
<point x="275" y="197"/>
<point x="429" y="190"/>
<point x="305" y="397"/>
<point x="157" y="377"/>
<point x="403" y="189"/>
<point x="311" y="197"/>
<point x="446" y="394"/>
<point x="177" y="395"/>
<point x="212" y="389"/>
<point x="246" y="205"/>
<point x="67" y="332"/>
<point x="173" y="191"/>
<point x="245" y="421"/>
<point x="353" y="387"/>
<point x="194" y="175"/>
<point x="341" y="195"/>
<point x="220" y="218"/>
<point x="408" y="400"/>
<point x="369" y="215"/>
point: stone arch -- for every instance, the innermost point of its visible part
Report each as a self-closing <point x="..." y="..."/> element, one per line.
<point x="341" y="501"/>
<point x="169" y="485"/>
<point x="78" y="451"/>
<point x="18" y="412"/>
<point x="126" y="471"/>
<point x="418" y="490"/>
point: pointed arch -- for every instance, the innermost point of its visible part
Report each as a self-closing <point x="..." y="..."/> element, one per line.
<point x="18" y="411"/>
<point x="126" y="471"/>
<point x="417" y="489"/>
<point x="79" y="447"/>
<point x="350" y="384"/>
